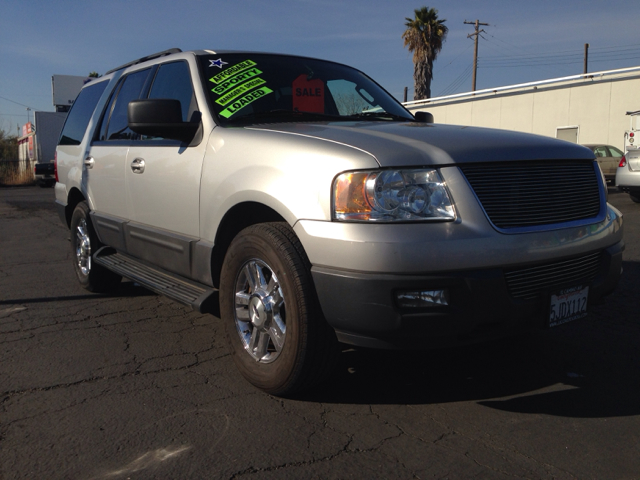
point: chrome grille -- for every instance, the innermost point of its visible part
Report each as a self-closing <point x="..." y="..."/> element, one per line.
<point x="528" y="283"/>
<point x="519" y="194"/>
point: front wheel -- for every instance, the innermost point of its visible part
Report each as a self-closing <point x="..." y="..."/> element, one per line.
<point x="84" y="243"/>
<point x="279" y="338"/>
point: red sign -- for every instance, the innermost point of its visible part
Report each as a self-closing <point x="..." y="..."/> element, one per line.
<point x="308" y="95"/>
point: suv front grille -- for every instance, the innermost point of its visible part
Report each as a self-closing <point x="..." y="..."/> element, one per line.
<point x="528" y="283"/>
<point x="533" y="194"/>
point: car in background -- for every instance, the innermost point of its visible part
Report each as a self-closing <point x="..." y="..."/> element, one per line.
<point x="608" y="157"/>
<point x="44" y="174"/>
<point x="628" y="174"/>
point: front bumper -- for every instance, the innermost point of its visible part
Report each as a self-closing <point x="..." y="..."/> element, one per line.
<point x="363" y="309"/>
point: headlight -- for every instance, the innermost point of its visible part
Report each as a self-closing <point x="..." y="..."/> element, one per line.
<point x="391" y="196"/>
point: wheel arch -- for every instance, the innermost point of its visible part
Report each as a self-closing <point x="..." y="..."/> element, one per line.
<point x="73" y="199"/>
<point x="238" y="218"/>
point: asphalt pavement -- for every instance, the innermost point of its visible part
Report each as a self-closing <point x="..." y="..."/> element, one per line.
<point x="136" y="386"/>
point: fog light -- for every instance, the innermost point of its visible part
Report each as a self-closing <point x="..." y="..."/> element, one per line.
<point x="423" y="298"/>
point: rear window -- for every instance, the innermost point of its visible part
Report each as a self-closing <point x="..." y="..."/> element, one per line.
<point x="80" y="113"/>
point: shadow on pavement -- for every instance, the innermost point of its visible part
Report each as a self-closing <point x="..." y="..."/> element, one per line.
<point x="586" y="369"/>
<point x="126" y="289"/>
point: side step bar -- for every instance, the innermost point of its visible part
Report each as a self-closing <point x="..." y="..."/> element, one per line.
<point x="200" y="297"/>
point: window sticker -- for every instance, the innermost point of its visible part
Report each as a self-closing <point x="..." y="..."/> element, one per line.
<point x="236" y="92"/>
<point x="231" y="71"/>
<point x="236" y="80"/>
<point x="308" y="95"/>
<point x="217" y="63"/>
<point x="242" y="102"/>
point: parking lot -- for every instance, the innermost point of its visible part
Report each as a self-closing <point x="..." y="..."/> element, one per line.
<point x="134" y="385"/>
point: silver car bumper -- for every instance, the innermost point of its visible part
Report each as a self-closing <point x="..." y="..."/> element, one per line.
<point x="358" y="279"/>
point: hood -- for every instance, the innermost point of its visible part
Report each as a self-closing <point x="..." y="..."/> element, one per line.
<point x="397" y="144"/>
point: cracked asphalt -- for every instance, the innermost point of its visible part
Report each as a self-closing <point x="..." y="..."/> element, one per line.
<point x="136" y="386"/>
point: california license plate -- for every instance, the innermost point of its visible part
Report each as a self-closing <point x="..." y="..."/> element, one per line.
<point x="567" y="305"/>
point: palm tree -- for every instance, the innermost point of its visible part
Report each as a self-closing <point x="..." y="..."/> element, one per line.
<point x="424" y="37"/>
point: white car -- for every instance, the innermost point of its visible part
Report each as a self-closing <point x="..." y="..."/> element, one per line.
<point x="628" y="174"/>
<point x="307" y="206"/>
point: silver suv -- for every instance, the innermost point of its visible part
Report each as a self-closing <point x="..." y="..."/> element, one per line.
<point x="305" y="206"/>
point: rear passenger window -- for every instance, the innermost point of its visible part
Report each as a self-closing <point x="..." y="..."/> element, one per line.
<point x="115" y="124"/>
<point x="80" y="114"/>
<point x="615" y="153"/>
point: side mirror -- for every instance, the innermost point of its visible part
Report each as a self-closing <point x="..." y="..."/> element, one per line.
<point x="424" y="117"/>
<point x="160" y="117"/>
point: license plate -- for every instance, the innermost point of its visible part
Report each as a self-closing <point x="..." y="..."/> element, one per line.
<point x="568" y="305"/>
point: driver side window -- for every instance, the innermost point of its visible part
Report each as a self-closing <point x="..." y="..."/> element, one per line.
<point x="173" y="81"/>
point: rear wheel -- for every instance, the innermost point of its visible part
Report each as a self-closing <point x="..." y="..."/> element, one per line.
<point x="84" y="243"/>
<point x="635" y="195"/>
<point x="279" y="338"/>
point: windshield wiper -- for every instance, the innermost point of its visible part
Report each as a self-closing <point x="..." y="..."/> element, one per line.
<point x="379" y="116"/>
<point x="280" y="115"/>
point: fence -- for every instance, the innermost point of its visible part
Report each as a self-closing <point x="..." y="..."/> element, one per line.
<point x="16" y="172"/>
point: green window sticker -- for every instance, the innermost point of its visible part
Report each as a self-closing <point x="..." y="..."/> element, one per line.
<point x="241" y="89"/>
<point x="231" y="71"/>
<point x="236" y="80"/>
<point x="242" y="102"/>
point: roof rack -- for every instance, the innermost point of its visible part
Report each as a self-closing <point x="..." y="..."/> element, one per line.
<point x="144" y="59"/>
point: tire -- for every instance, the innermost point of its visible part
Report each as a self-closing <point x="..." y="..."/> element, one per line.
<point x="635" y="196"/>
<point x="280" y="341"/>
<point x="84" y="243"/>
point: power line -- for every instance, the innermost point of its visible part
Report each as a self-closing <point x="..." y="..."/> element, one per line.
<point x="12" y="101"/>
<point x="458" y="56"/>
<point x="596" y="53"/>
<point x="518" y="50"/>
<point x="453" y="86"/>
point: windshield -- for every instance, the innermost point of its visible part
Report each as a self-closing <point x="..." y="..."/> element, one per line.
<point x="248" y="88"/>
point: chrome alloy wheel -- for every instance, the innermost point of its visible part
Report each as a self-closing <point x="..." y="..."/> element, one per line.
<point x="260" y="313"/>
<point x="83" y="247"/>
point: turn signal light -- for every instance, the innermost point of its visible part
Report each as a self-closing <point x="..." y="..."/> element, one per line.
<point x="623" y="162"/>
<point x="423" y="298"/>
<point x="55" y="166"/>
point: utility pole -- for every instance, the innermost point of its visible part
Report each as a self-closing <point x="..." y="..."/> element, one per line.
<point x="586" y="57"/>
<point x="475" y="55"/>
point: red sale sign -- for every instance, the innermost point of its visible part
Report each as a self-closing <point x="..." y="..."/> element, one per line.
<point x="308" y="95"/>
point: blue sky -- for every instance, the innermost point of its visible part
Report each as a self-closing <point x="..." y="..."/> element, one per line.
<point x="525" y="41"/>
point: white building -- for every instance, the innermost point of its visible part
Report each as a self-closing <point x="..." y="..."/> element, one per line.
<point x="589" y="108"/>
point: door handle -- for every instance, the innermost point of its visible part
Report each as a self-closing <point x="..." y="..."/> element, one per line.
<point x="137" y="166"/>
<point x="88" y="162"/>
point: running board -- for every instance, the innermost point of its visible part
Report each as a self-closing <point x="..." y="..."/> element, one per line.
<point x="200" y="297"/>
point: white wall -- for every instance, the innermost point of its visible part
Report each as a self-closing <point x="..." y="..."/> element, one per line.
<point x="597" y="106"/>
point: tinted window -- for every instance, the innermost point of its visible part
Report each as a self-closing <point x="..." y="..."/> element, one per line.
<point x="117" y="127"/>
<point x="80" y="113"/>
<point x="174" y="81"/>
<point x="257" y="88"/>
